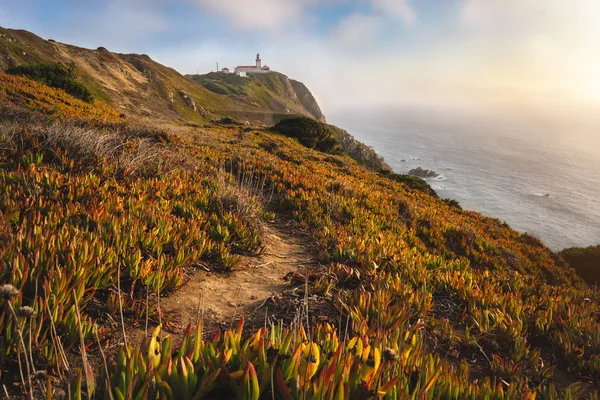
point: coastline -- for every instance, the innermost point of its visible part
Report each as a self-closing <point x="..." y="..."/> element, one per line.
<point x="493" y="171"/>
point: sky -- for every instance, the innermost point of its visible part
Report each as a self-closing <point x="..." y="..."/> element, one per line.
<point x="353" y="52"/>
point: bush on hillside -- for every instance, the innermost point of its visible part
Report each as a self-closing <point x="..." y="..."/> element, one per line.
<point x="56" y="76"/>
<point x="532" y="240"/>
<point x="310" y="133"/>
<point x="411" y="181"/>
<point x="585" y="261"/>
<point x="216" y="88"/>
<point x="452" y="203"/>
<point x="227" y="121"/>
<point x="224" y="84"/>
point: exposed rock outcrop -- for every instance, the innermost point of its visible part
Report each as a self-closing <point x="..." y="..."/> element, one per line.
<point x="359" y="151"/>
<point x="307" y="100"/>
<point x="189" y="101"/>
<point x="423" y="173"/>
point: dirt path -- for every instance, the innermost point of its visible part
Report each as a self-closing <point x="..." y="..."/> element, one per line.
<point x="224" y="298"/>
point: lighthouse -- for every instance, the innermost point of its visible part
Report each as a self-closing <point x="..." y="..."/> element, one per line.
<point x="258" y="68"/>
<point x="258" y="61"/>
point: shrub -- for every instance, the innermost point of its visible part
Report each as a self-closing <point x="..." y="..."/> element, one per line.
<point x="452" y="203"/>
<point x="226" y="121"/>
<point x="585" y="261"/>
<point x="411" y="181"/>
<point x="56" y="76"/>
<point x="309" y="133"/>
<point x="216" y="88"/>
<point x="532" y="240"/>
<point x="224" y="84"/>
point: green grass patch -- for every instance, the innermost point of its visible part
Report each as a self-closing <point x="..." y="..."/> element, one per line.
<point x="223" y="84"/>
<point x="55" y="75"/>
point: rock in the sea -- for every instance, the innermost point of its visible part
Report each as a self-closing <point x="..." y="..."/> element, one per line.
<point x="423" y="173"/>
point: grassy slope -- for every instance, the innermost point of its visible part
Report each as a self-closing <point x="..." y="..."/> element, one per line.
<point x="137" y="85"/>
<point x="460" y="305"/>
<point x="132" y="83"/>
<point x="273" y="92"/>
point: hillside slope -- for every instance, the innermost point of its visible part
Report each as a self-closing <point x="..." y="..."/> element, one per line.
<point x="274" y="92"/>
<point x="139" y="86"/>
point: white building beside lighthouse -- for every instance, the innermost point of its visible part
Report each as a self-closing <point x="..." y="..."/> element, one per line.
<point x="243" y="70"/>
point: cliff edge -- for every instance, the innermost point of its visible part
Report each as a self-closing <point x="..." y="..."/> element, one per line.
<point x="266" y="98"/>
<point x="138" y="86"/>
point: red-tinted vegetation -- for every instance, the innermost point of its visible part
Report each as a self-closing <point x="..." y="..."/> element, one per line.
<point x="430" y="301"/>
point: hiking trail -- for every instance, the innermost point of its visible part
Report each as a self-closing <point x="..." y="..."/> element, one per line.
<point x="247" y="291"/>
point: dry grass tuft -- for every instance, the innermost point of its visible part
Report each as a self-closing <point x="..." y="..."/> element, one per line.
<point x="133" y="149"/>
<point x="235" y="197"/>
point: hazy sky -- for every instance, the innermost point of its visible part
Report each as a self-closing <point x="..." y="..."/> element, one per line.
<point x="349" y="51"/>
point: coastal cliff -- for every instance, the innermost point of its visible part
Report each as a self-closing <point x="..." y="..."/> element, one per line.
<point x="282" y="260"/>
<point x="138" y="86"/>
<point x="141" y="87"/>
<point x="359" y="151"/>
<point x="267" y="98"/>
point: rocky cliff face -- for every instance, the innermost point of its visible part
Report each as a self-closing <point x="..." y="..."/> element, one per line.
<point x="359" y="151"/>
<point x="265" y="94"/>
<point x="307" y="100"/>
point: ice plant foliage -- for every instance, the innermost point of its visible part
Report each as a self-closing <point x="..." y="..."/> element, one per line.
<point x="36" y="96"/>
<point x="430" y="301"/>
<point x="66" y="235"/>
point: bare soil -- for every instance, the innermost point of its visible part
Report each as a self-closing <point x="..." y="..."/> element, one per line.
<point x="253" y="291"/>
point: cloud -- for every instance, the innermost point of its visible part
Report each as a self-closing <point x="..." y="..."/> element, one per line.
<point x="541" y="45"/>
<point x="135" y="17"/>
<point x="281" y="16"/>
<point x="398" y="9"/>
<point x="527" y="15"/>
<point x="506" y="14"/>
<point x="265" y="15"/>
<point x="356" y="31"/>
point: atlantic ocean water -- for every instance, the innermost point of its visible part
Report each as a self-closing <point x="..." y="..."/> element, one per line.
<point x="539" y="172"/>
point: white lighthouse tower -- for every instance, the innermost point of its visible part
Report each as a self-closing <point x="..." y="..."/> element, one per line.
<point x="258" y="68"/>
<point x="258" y="61"/>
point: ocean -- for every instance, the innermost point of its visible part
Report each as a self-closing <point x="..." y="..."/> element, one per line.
<point x="539" y="172"/>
